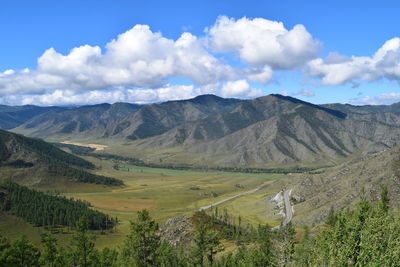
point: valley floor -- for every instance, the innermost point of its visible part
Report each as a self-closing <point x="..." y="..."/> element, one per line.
<point x="167" y="193"/>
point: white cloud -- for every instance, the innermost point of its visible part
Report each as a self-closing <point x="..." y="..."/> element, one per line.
<point x="337" y="69"/>
<point x="284" y="93"/>
<point x="261" y="75"/>
<point x="263" y="42"/>
<point x="137" y="58"/>
<point x="239" y="88"/>
<point x="70" y="97"/>
<point x="305" y="92"/>
<point x="139" y="64"/>
<point x="383" y="99"/>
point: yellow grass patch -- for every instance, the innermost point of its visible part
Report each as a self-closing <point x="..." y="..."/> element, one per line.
<point x="95" y="146"/>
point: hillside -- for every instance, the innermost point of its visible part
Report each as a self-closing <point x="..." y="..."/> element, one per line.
<point x="49" y="210"/>
<point x="341" y="186"/>
<point x="84" y="122"/>
<point x="273" y="130"/>
<point x="269" y="131"/>
<point x="13" y="116"/>
<point x="36" y="163"/>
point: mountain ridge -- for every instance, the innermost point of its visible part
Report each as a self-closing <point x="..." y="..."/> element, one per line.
<point x="261" y="132"/>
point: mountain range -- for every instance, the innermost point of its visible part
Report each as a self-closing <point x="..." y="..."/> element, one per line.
<point x="208" y="130"/>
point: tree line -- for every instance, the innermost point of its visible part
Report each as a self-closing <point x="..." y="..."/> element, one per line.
<point x="82" y="176"/>
<point x="41" y="209"/>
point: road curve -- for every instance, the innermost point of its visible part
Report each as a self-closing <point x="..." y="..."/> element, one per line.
<point x="230" y="198"/>
<point x="288" y="207"/>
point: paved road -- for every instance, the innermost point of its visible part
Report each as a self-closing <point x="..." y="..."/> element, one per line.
<point x="288" y="207"/>
<point x="230" y="198"/>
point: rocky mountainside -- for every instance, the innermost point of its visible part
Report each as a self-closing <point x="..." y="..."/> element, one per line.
<point x="343" y="185"/>
<point x="209" y="130"/>
<point x="280" y="130"/>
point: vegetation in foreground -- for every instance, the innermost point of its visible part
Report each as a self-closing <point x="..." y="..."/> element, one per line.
<point x="369" y="235"/>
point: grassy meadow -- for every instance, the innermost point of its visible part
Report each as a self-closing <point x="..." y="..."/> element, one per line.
<point x="165" y="193"/>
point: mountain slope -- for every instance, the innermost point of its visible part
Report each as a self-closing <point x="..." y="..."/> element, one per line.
<point x="273" y="130"/>
<point x="13" y="116"/>
<point x="209" y="130"/>
<point x="122" y="120"/>
<point x="34" y="162"/>
<point x="341" y="186"/>
<point x="86" y="121"/>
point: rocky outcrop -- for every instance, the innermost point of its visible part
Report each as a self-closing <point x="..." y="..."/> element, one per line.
<point x="177" y="230"/>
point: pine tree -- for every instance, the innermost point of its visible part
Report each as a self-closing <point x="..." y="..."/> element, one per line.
<point x="22" y="253"/>
<point x="83" y="250"/>
<point x="4" y="245"/>
<point x="288" y="241"/>
<point x="167" y="256"/>
<point x="265" y="254"/>
<point x="108" y="258"/>
<point x="142" y="243"/>
<point x="385" y="200"/>
<point x="50" y="256"/>
<point x="206" y="245"/>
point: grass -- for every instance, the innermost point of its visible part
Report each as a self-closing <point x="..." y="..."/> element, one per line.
<point x="164" y="192"/>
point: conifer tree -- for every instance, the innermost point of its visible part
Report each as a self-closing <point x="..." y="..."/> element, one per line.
<point x="83" y="251"/>
<point x="4" y="245"/>
<point x="385" y="200"/>
<point x="22" y="253"/>
<point x="142" y="243"/>
<point x="50" y="256"/>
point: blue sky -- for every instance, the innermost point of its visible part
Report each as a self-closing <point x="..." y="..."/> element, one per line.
<point x="210" y="62"/>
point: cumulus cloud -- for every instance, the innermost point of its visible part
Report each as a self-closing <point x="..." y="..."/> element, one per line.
<point x="139" y="65"/>
<point x="337" y="69"/>
<point x="263" y="42"/>
<point x="239" y="88"/>
<point x="137" y="58"/>
<point x="140" y="58"/>
<point x="70" y="97"/>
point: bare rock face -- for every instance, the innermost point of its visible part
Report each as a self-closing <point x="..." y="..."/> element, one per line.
<point x="177" y="230"/>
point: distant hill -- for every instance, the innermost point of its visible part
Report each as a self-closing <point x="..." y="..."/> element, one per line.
<point x="122" y="120"/>
<point x="86" y="121"/>
<point x="13" y="116"/>
<point x="268" y="131"/>
<point x="35" y="162"/>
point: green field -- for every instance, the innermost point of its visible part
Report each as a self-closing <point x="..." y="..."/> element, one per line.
<point x="165" y="193"/>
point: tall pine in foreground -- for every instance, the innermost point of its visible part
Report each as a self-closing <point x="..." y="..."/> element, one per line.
<point x="83" y="250"/>
<point x="142" y="243"/>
